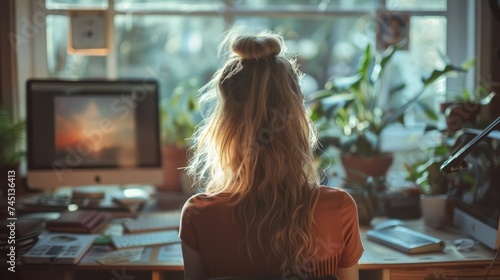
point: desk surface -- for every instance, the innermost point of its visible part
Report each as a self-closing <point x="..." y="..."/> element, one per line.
<point x="376" y="256"/>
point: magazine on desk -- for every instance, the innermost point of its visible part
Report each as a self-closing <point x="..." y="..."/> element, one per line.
<point x="62" y="248"/>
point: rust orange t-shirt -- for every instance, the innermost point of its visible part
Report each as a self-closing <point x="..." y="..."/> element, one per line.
<point x="207" y="227"/>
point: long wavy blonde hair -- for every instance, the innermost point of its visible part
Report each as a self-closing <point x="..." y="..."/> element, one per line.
<point x="256" y="143"/>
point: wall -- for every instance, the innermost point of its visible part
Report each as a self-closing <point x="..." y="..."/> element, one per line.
<point x="488" y="47"/>
<point x="8" y="77"/>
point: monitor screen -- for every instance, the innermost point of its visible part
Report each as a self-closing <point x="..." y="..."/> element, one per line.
<point x="92" y="132"/>
<point x="478" y="189"/>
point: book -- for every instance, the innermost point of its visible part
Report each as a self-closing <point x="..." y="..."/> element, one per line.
<point x="81" y="221"/>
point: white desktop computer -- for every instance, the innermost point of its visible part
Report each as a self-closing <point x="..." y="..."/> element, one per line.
<point x="92" y="132"/>
<point x="477" y="194"/>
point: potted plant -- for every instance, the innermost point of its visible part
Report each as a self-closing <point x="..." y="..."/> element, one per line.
<point x="11" y="152"/>
<point x="179" y="116"/>
<point x="434" y="186"/>
<point x="350" y="119"/>
<point x="462" y="109"/>
<point x="424" y="172"/>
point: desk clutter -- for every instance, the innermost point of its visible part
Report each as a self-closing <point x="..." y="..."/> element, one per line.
<point x="121" y="202"/>
<point x="70" y="237"/>
<point x="406" y="240"/>
<point x="63" y="248"/>
<point x="80" y="221"/>
<point x="145" y="239"/>
<point x="148" y="224"/>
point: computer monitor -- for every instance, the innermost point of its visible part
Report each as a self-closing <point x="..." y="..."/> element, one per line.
<point x="92" y="132"/>
<point x="477" y="208"/>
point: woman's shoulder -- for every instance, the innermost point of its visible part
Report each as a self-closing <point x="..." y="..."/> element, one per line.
<point x="203" y="200"/>
<point x="334" y="196"/>
<point x="201" y="205"/>
<point x="332" y="191"/>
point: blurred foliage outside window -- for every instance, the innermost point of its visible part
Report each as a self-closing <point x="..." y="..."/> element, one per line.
<point x="175" y="41"/>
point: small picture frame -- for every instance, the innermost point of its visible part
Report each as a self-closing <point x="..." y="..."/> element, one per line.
<point x="88" y="32"/>
<point x="392" y="29"/>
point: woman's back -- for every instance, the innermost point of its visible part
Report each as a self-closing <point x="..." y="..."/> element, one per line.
<point x="208" y="227"/>
<point x="253" y="154"/>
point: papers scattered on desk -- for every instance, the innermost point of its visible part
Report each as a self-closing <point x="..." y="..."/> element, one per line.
<point x="171" y="254"/>
<point x="131" y="255"/>
<point x="101" y="251"/>
<point x="64" y="248"/>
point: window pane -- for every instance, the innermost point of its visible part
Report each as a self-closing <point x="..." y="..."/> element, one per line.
<point x="59" y="62"/>
<point x="188" y="5"/>
<point x="321" y="4"/>
<point x="76" y="4"/>
<point x="326" y="47"/>
<point x="427" y="40"/>
<point x="170" y="49"/>
<point x="435" y="5"/>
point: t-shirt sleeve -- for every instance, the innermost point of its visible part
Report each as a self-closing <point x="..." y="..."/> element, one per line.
<point x="353" y="248"/>
<point x="187" y="229"/>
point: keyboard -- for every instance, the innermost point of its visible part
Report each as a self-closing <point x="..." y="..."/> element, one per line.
<point x="406" y="240"/>
<point x="148" y="224"/>
<point x="145" y="239"/>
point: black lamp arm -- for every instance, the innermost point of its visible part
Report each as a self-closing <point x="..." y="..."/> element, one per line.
<point x="453" y="163"/>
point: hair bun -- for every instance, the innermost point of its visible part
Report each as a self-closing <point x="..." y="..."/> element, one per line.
<point x="254" y="47"/>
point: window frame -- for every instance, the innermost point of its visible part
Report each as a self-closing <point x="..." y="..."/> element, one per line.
<point x="32" y="53"/>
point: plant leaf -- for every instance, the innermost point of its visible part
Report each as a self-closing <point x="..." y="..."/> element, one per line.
<point x="396" y="89"/>
<point x="427" y="110"/>
<point x="444" y="57"/>
<point x="466" y="94"/>
<point x="343" y="84"/>
<point x="365" y="62"/>
<point x="436" y="74"/>
<point x="468" y="64"/>
<point x="381" y="61"/>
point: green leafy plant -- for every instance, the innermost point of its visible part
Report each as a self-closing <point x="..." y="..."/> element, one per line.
<point x="425" y="172"/>
<point x="482" y="94"/>
<point x="179" y="114"/>
<point x="11" y="139"/>
<point x="462" y="108"/>
<point x="347" y="111"/>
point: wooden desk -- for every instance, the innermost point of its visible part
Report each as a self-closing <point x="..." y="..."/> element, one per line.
<point x="377" y="262"/>
<point x="381" y="262"/>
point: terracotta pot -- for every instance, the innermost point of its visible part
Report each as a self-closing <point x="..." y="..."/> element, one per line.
<point x="359" y="168"/>
<point x="174" y="159"/>
<point x="460" y="115"/>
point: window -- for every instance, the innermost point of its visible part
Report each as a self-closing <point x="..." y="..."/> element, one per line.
<point x="176" y="40"/>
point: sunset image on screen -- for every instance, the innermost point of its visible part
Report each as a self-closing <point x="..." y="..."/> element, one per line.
<point x="88" y="129"/>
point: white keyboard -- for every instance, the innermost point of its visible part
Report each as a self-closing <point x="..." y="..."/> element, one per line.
<point x="148" y="224"/>
<point x="146" y="239"/>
